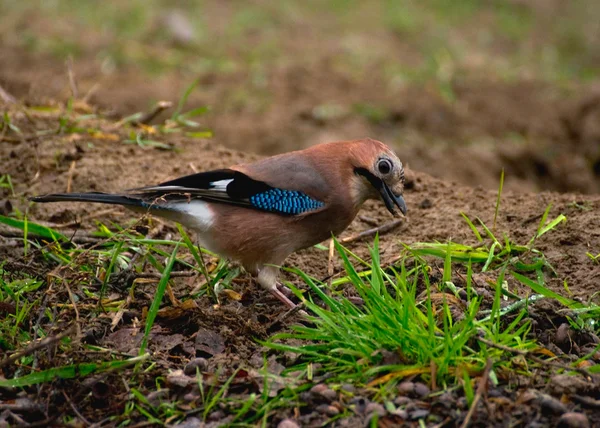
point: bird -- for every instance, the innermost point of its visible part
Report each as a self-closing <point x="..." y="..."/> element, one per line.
<point x="259" y="213"/>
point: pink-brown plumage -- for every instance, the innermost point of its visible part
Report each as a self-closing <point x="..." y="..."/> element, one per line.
<point x="340" y="176"/>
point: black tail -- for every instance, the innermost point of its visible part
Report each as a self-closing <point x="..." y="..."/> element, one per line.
<point x="102" y="198"/>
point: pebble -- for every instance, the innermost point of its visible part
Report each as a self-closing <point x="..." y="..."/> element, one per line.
<point x="375" y="408"/>
<point x="401" y="400"/>
<point x="155" y="397"/>
<point x="419" y="414"/>
<point x="328" y="410"/>
<point x="324" y="392"/>
<point x="288" y="423"/>
<point x="199" y="363"/>
<point x="179" y="379"/>
<point x="573" y="420"/>
<point x="421" y="389"/>
<point x="550" y="403"/>
<point x="406" y="388"/>
<point x="217" y="415"/>
<point x="360" y="405"/>
<point x="349" y="388"/>
<point x="191" y="396"/>
<point x="562" y="337"/>
<point x="191" y="423"/>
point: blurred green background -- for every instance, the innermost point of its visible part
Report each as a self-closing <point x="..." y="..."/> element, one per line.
<point x="462" y="89"/>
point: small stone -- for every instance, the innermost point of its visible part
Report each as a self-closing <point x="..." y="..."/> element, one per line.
<point x="562" y="337"/>
<point x="406" y="388"/>
<point x="348" y="388"/>
<point x="548" y="402"/>
<point x="196" y="363"/>
<point x="324" y="392"/>
<point x="360" y="405"/>
<point x="375" y="408"/>
<point x="330" y="394"/>
<point x="191" y="422"/>
<point x="425" y="204"/>
<point x="179" y="379"/>
<point x="401" y="400"/>
<point x="190" y="396"/>
<point x="528" y="396"/>
<point x="328" y="410"/>
<point x="318" y="388"/>
<point x="573" y="420"/>
<point x="288" y="423"/>
<point x="217" y="415"/>
<point x="421" y="390"/>
<point x="155" y="397"/>
<point x="419" y="414"/>
<point x="6" y="207"/>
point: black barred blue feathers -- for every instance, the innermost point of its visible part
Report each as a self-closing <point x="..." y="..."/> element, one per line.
<point x="285" y="202"/>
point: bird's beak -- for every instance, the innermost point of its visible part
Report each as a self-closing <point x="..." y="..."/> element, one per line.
<point x="390" y="199"/>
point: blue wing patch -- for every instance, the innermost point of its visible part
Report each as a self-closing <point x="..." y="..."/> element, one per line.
<point x="285" y="201"/>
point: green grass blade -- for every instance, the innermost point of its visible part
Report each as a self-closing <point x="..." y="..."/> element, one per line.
<point x="160" y="291"/>
<point x="33" y="228"/>
<point x="540" y="289"/>
<point x="498" y="199"/>
<point x="69" y="372"/>
<point x="472" y="226"/>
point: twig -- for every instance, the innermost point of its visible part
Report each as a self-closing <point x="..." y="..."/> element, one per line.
<point x="71" y="75"/>
<point x="47" y="341"/>
<point x="6" y="97"/>
<point x="70" y="176"/>
<point x="21" y="407"/>
<point x="480" y="389"/>
<point x="174" y="274"/>
<point x="370" y="232"/>
<point x="369" y="220"/>
<point x="72" y="299"/>
<point x="159" y="107"/>
<point x="75" y="409"/>
<point x="533" y="358"/>
<point x="279" y="320"/>
<point x="91" y="92"/>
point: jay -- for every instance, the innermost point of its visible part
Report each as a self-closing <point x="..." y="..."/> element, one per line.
<point x="259" y="213"/>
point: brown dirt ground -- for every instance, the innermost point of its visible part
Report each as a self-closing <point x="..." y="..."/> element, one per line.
<point x="226" y="333"/>
<point x="545" y="137"/>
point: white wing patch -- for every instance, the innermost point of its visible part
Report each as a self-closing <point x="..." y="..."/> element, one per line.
<point x="220" y="185"/>
<point x="195" y="214"/>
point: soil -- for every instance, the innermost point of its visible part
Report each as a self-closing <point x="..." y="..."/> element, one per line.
<point x="225" y="336"/>
<point x="544" y="137"/>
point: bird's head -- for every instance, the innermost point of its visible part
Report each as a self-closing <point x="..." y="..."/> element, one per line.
<point x="378" y="174"/>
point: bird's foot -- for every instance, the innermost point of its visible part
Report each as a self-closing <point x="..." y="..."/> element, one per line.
<point x="282" y="297"/>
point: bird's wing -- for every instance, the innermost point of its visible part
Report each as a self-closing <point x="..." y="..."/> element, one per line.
<point x="233" y="187"/>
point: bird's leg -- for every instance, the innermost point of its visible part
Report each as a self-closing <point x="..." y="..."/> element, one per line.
<point x="267" y="277"/>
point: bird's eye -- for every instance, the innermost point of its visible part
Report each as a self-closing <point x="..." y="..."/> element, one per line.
<point x="384" y="166"/>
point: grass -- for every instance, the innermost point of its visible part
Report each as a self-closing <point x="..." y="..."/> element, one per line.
<point x="436" y="328"/>
<point x="448" y="39"/>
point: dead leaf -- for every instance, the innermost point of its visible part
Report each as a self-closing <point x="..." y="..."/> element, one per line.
<point x="209" y="342"/>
